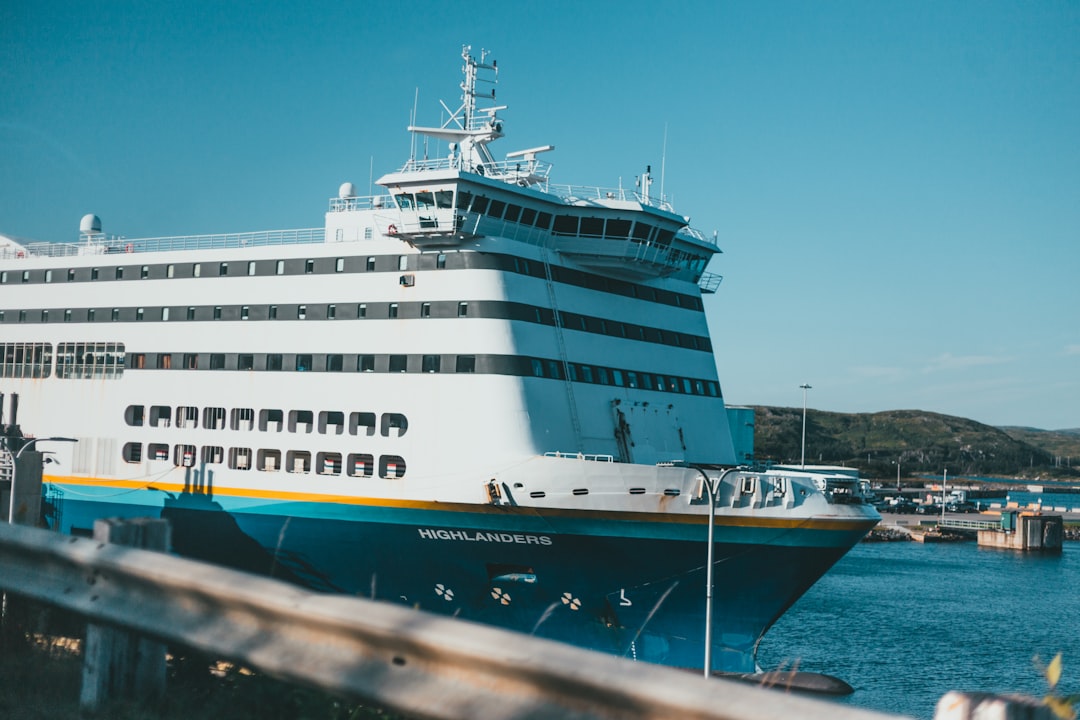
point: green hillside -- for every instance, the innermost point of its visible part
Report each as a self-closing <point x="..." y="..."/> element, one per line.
<point x="923" y="442"/>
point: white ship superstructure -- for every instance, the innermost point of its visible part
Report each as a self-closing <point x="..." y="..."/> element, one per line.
<point x="478" y="391"/>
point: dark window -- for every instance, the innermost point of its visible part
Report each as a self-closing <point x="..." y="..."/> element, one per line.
<point x="271" y="312"/>
<point x="513" y="212"/>
<point x="217" y="312"/>
<point x="566" y="225"/>
<point x="119" y="274"/>
<point x="335" y="363"/>
<point x="309" y="266"/>
<point x="223" y="269"/>
<point x="430" y="364"/>
<point x="361" y="310"/>
<point x="191" y="313"/>
<point x="496" y="208"/>
<point x="360" y="465"/>
<point x="480" y="204"/>
<point x="365" y="363"/>
<point x="463" y="200"/>
<point x="399" y="363"/>
<point x="641" y="231"/>
<point x="543" y="220"/>
<point x="462" y="309"/>
<point x="217" y="361"/>
<point x="393" y="310"/>
<point x="617" y="229"/>
<point x="370" y="264"/>
<point x="466" y="363"/>
<point x="425" y="310"/>
<point x="528" y="216"/>
<point x="245" y="362"/>
<point x="273" y="361"/>
<point x="331" y="312"/>
<point x="303" y="362"/>
<point x="440" y="261"/>
<point x="592" y="227"/>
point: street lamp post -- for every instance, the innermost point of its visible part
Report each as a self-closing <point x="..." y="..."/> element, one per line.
<point x="944" y="479"/>
<point x="15" y="469"/>
<point x="712" y="487"/>
<point x="804" y="387"/>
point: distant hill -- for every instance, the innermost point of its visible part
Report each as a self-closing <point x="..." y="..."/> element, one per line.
<point x="923" y="442"/>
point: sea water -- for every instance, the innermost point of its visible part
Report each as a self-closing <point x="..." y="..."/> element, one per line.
<point x="904" y="623"/>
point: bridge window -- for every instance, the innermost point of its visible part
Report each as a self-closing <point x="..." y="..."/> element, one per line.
<point x="513" y="212"/>
<point x="566" y="225"/>
<point x="642" y="232"/>
<point x="496" y="208"/>
<point x="617" y="229"/>
<point x="592" y="227"/>
<point x="480" y="204"/>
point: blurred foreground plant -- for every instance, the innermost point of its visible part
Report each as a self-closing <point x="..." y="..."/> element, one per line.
<point x="1063" y="706"/>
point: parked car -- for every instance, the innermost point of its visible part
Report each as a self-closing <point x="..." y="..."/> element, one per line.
<point x="928" y="509"/>
<point x="904" y="506"/>
<point x="961" y="507"/>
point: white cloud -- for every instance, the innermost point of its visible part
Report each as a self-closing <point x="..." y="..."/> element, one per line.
<point x="948" y="361"/>
<point x="1073" y="349"/>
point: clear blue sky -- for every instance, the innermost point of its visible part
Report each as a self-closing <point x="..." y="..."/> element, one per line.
<point x="896" y="185"/>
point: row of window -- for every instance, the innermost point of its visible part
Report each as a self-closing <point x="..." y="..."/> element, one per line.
<point x="356" y="264"/>
<point x="96" y="360"/>
<point x="488" y="309"/>
<point x="268" y="459"/>
<point x="612" y="228"/>
<point x="25" y="360"/>
<point x="389" y="363"/>
<point x="326" y="422"/>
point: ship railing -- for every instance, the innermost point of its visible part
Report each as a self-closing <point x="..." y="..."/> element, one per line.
<point x="571" y="194"/>
<point x="367" y="202"/>
<point x="515" y="172"/>
<point x="103" y="245"/>
<point x="591" y="457"/>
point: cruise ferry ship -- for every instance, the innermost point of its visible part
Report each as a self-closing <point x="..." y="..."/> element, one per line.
<point x="477" y="393"/>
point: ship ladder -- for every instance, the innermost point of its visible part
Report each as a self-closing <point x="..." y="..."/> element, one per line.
<point x="574" y="421"/>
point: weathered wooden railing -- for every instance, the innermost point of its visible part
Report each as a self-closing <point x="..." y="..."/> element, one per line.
<point x="403" y="659"/>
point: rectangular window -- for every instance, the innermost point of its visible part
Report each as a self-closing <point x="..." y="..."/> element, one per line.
<point x="91" y="315"/>
<point x="268" y="460"/>
<point x="240" y="458"/>
<point x="466" y="363"/>
<point x="586" y="373"/>
<point x="214" y="418"/>
<point x="217" y="312"/>
<point x="370" y="264"/>
<point x="190" y="313"/>
<point x="273" y="361"/>
<point x="245" y="312"/>
<point x="280" y="267"/>
<point x="71" y="274"/>
<point x="331" y="422"/>
<point x="365" y="363"/>
<point x="144" y="272"/>
<point x="328" y="463"/>
<point x="496" y="208"/>
<point x="242" y="419"/>
<point x="271" y="420"/>
<point x="196" y="270"/>
<point x="393" y="310"/>
<point x="362" y="423"/>
<point x="298" y="461"/>
<point x="271" y="312"/>
<point x="309" y="266"/>
<point x="339" y="265"/>
<point x="403" y="262"/>
<point x="165" y="314"/>
<point x="187" y="416"/>
<point x="119" y="273"/>
<point x="213" y="455"/>
<point x="361" y="310"/>
<point x="139" y="314"/>
<point x="48" y="276"/>
<point x="399" y="363"/>
<point x="94" y="274"/>
<point x="164" y="361"/>
<point x="251" y="268"/>
<point x="335" y="363"/>
<point x="170" y="271"/>
<point x="331" y="312"/>
<point x="301" y="312"/>
<point x="440" y="261"/>
<point x="462" y="309"/>
<point x="360" y="465"/>
<point x="160" y="416"/>
<point x="223" y="268"/>
<point x="67" y="316"/>
<point x="431" y="364"/>
<point x="303" y="363"/>
<point x="425" y="310"/>
<point x="301" y="421"/>
<point x="115" y="314"/>
<point x="245" y="361"/>
<point x="217" y="361"/>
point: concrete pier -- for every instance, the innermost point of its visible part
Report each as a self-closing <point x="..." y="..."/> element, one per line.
<point x="1026" y="532"/>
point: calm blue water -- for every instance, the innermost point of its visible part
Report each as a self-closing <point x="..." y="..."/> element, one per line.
<point x="904" y="623"/>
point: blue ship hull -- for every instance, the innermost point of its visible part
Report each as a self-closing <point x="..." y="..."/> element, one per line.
<point x="627" y="584"/>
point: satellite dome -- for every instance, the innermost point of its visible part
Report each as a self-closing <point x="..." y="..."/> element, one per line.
<point x="347" y="190"/>
<point x="90" y="224"/>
